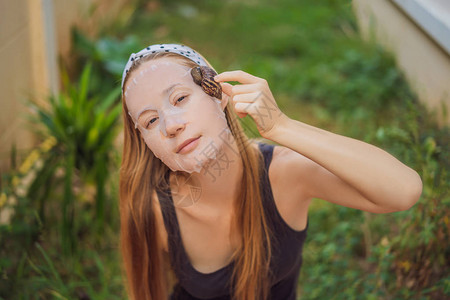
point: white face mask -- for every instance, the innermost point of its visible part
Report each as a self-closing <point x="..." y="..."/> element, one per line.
<point x="167" y="120"/>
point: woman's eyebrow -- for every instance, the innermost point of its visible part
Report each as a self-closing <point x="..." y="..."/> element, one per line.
<point x="170" y="88"/>
<point x="149" y="107"/>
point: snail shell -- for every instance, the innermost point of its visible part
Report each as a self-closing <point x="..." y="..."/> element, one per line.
<point x="203" y="76"/>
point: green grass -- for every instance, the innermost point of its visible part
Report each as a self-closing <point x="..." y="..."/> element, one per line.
<point x="321" y="73"/>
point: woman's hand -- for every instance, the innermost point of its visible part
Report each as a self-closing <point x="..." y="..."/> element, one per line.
<point x="252" y="96"/>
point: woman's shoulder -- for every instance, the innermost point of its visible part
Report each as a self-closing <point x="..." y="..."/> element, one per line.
<point x="283" y="158"/>
<point x="290" y="170"/>
<point x="289" y="192"/>
<point x="283" y="161"/>
<point x="287" y="161"/>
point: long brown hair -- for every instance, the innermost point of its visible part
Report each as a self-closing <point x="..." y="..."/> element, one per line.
<point x="145" y="262"/>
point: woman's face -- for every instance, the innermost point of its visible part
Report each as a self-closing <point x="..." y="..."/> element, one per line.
<point x="179" y="122"/>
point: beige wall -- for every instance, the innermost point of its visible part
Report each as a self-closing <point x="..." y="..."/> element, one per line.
<point x="18" y="75"/>
<point x="425" y="64"/>
<point x="29" y="51"/>
<point x="92" y="16"/>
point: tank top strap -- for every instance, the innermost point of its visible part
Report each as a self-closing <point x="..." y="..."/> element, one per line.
<point x="168" y="212"/>
<point x="172" y="226"/>
<point x="267" y="152"/>
<point x="266" y="188"/>
<point x="277" y="222"/>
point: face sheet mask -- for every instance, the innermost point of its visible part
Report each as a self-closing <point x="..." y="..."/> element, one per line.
<point x="165" y="121"/>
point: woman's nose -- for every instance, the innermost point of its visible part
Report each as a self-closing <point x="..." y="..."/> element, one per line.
<point x="173" y="126"/>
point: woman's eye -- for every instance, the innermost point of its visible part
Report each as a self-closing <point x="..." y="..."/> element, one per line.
<point x="180" y="99"/>
<point x="150" y="122"/>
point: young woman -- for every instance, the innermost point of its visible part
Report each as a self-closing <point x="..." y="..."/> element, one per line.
<point x="228" y="216"/>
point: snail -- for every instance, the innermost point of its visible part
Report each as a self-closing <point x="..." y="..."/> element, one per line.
<point x="204" y="77"/>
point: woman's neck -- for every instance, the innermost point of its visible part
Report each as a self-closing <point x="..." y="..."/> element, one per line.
<point x="216" y="186"/>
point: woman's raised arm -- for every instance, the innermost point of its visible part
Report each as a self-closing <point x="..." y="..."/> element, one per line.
<point x="338" y="168"/>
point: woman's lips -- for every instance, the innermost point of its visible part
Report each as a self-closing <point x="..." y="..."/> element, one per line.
<point x="188" y="145"/>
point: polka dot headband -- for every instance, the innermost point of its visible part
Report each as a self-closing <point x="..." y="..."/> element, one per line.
<point x="174" y="48"/>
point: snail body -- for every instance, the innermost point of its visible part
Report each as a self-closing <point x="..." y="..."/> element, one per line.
<point x="204" y="77"/>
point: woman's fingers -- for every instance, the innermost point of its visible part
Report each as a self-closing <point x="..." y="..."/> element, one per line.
<point x="246" y="98"/>
<point x="232" y="90"/>
<point x="245" y="88"/>
<point x="226" y="88"/>
<point x="242" y="108"/>
<point x="239" y="76"/>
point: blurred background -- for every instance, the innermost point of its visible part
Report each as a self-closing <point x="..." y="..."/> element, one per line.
<point x="378" y="71"/>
